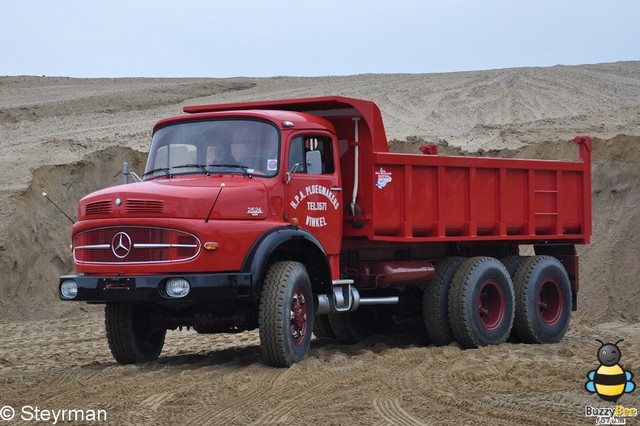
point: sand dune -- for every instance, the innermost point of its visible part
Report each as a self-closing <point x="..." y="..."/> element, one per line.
<point x="68" y="137"/>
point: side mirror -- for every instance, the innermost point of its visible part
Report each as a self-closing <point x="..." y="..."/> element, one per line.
<point x="314" y="162"/>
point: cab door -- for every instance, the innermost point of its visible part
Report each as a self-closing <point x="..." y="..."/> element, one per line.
<point x="314" y="197"/>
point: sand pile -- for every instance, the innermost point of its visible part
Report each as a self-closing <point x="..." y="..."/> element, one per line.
<point x="69" y="137"/>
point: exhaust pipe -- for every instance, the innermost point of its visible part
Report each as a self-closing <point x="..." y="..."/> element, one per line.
<point x="346" y="298"/>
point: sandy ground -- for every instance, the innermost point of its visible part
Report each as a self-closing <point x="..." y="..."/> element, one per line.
<point x="219" y="379"/>
<point x="68" y="137"/>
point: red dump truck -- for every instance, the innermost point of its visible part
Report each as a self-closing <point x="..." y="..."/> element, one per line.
<point x="293" y="217"/>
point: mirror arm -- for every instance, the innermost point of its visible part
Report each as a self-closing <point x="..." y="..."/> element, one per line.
<point x="290" y="173"/>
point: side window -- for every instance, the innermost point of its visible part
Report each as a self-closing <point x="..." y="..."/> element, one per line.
<point x="300" y="145"/>
<point x="296" y="155"/>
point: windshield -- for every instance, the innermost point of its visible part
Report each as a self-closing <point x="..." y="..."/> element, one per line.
<point x="214" y="146"/>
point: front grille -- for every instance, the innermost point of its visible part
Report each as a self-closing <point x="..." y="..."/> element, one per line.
<point x="144" y="206"/>
<point x="134" y="244"/>
<point x="98" y="207"/>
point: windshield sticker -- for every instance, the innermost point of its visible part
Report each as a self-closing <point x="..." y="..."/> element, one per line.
<point x="384" y="177"/>
<point x="272" y="164"/>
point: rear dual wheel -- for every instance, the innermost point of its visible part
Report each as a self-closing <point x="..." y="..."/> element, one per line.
<point x="435" y="302"/>
<point x="481" y="303"/>
<point x="543" y="300"/>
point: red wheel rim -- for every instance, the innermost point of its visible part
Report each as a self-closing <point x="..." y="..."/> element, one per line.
<point x="550" y="301"/>
<point x="491" y="305"/>
<point x="299" y="316"/>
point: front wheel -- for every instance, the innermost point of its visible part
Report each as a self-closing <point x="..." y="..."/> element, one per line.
<point x="286" y="314"/>
<point x="322" y="327"/>
<point x="134" y="333"/>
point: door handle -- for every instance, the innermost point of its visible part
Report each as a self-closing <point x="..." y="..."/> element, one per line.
<point x="336" y="189"/>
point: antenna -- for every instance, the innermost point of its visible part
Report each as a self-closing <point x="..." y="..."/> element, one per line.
<point x="44" y="194"/>
<point x="214" y="203"/>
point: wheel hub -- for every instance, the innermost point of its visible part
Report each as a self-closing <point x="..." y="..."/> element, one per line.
<point x="299" y="316"/>
<point x="491" y="305"/>
<point x="550" y="301"/>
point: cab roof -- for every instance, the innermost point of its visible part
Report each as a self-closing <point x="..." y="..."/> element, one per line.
<point x="310" y="111"/>
<point x="299" y="120"/>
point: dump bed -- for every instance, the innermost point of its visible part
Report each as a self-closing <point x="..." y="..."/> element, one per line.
<point x="404" y="197"/>
<point x="439" y="198"/>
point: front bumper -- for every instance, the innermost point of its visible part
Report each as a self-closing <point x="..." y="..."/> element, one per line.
<point x="151" y="288"/>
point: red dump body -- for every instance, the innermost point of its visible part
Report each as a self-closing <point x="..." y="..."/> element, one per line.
<point x="466" y="198"/>
<point x="423" y="198"/>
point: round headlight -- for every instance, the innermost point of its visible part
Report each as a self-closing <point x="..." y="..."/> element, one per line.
<point x="177" y="287"/>
<point x="68" y="289"/>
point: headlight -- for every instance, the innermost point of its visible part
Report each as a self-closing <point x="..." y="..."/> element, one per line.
<point x="177" y="287"/>
<point x="69" y="289"/>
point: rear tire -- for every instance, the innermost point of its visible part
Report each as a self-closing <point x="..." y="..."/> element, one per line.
<point x="286" y="314"/>
<point x="481" y="303"/>
<point x="435" y="302"/>
<point x="513" y="263"/>
<point x="543" y="300"/>
<point x="133" y="332"/>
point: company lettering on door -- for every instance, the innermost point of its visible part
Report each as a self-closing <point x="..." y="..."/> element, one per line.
<point x="318" y="220"/>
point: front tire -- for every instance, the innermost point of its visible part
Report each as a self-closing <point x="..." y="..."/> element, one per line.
<point x="322" y="327"/>
<point x="543" y="300"/>
<point x="354" y="327"/>
<point x="134" y="333"/>
<point x="481" y="303"/>
<point x="286" y="314"/>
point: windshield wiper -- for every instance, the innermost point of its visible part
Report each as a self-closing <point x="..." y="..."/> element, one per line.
<point x="245" y="169"/>
<point x="182" y="166"/>
<point x="161" y="169"/>
<point x="197" y="166"/>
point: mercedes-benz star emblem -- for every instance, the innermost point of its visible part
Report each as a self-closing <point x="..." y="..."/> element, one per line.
<point x="121" y="245"/>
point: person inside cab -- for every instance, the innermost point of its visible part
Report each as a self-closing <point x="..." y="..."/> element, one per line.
<point x="220" y="153"/>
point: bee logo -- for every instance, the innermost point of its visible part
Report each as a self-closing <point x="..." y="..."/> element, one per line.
<point x="609" y="380"/>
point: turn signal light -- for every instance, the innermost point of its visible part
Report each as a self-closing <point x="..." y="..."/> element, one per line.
<point x="211" y="246"/>
<point x="294" y="221"/>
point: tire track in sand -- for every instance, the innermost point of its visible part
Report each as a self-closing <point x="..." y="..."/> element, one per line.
<point x="230" y="410"/>
<point x="392" y="411"/>
<point x="319" y="395"/>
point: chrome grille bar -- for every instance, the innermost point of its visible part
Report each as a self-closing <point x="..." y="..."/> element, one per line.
<point x="139" y="245"/>
<point x="94" y="246"/>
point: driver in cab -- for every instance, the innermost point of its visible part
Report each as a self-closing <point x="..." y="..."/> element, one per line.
<point x="220" y="153"/>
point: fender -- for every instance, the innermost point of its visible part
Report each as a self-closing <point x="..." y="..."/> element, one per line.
<point x="258" y="257"/>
